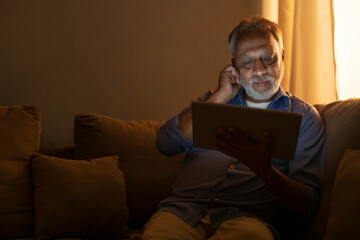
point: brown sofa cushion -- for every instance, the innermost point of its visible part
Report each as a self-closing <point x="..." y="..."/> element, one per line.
<point x="149" y="175"/>
<point x="77" y="198"/>
<point x="19" y="139"/>
<point x="344" y="216"/>
<point x="342" y="120"/>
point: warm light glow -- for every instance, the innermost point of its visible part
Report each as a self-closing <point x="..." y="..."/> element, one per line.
<point x="347" y="47"/>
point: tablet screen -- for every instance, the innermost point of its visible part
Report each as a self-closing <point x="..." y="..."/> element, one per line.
<point x="283" y="126"/>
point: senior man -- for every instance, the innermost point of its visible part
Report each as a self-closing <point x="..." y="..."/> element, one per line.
<point x="237" y="189"/>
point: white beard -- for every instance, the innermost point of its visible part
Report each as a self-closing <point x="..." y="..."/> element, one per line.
<point x="263" y="94"/>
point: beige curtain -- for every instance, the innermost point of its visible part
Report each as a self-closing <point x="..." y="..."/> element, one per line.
<point x="309" y="47"/>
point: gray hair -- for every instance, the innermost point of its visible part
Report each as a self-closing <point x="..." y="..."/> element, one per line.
<point x="254" y="24"/>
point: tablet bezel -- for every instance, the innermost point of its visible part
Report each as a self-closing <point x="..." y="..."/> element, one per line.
<point x="284" y="126"/>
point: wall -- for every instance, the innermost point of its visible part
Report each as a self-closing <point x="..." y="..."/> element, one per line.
<point x="141" y="59"/>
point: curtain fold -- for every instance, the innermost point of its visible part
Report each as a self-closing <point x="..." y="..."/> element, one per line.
<point x="307" y="25"/>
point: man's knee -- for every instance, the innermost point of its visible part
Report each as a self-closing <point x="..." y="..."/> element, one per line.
<point x="244" y="228"/>
<point x="166" y="225"/>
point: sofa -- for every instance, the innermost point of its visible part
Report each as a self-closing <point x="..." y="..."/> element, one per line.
<point x="109" y="182"/>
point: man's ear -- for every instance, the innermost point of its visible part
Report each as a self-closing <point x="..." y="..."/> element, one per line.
<point x="234" y="65"/>
<point x="283" y="55"/>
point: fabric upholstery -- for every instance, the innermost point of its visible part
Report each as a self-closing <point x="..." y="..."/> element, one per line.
<point x="344" y="216"/>
<point x="77" y="198"/>
<point x="342" y="120"/>
<point x="20" y="128"/>
<point x="64" y="151"/>
<point x="149" y="175"/>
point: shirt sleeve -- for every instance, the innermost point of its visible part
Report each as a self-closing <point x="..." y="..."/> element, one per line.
<point x="169" y="140"/>
<point x="307" y="166"/>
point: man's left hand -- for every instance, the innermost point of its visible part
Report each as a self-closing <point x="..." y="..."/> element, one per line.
<point x="256" y="156"/>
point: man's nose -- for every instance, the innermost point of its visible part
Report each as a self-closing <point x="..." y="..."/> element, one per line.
<point x="259" y="68"/>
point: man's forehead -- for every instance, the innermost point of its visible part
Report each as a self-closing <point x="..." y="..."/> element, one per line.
<point x="262" y="52"/>
<point x="257" y="41"/>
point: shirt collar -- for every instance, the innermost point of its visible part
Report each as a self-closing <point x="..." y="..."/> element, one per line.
<point x="280" y="95"/>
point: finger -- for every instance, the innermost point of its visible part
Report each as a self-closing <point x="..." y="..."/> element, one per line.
<point x="226" y="139"/>
<point x="222" y="145"/>
<point x="230" y="70"/>
<point x="220" y="136"/>
<point x="230" y="67"/>
<point x="225" y="76"/>
<point x="236" y="74"/>
<point x="231" y="137"/>
<point x="227" y="68"/>
<point x="239" y="135"/>
<point x="225" y="151"/>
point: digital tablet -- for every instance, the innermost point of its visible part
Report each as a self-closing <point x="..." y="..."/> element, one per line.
<point x="284" y="126"/>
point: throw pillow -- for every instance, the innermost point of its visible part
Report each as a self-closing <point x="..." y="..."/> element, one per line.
<point x="344" y="216"/>
<point x="77" y="198"/>
<point x="149" y="174"/>
<point x="19" y="138"/>
<point x="342" y="120"/>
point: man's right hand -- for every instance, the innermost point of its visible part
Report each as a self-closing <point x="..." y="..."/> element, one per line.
<point x="225" y="92"/>
<point x="226" y="88"/>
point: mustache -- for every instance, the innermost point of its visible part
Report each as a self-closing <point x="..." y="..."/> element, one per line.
<point x="262" y="78"/>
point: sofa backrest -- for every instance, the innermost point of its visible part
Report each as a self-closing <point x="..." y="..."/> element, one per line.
<point x="342" y="122"/>
<point x="149" y="175"/>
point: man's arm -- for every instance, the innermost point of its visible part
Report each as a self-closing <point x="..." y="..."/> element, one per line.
<point x="175" y="136"/>
<point x="225" y="92"/>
